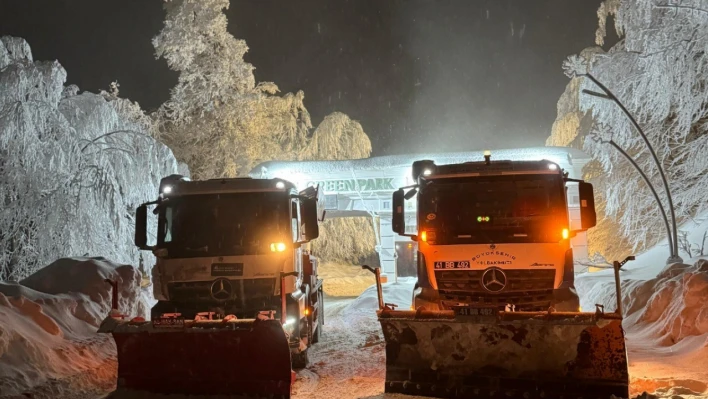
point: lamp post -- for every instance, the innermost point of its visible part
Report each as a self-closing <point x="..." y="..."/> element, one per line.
<point x="669" y="237"/>
<point x="608" y="95"/>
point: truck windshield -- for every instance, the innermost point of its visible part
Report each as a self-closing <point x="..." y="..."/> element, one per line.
<point x="494" y="209"/>
<point x="223" y="224"/>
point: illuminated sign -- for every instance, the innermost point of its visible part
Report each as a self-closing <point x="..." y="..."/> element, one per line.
<point x="355" y="185"/>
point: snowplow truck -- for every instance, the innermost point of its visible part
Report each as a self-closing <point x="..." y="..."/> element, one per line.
<point x="495" y="312"/>
<point x="239" y="298"/>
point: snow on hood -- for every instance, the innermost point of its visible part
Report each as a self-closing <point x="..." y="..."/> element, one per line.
<point x="48" y="323"/>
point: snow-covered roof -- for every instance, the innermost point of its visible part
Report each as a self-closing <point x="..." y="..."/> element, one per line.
<point x="561" y="155"/>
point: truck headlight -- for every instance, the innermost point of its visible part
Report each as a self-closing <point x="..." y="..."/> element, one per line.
<point x="277" y="247"/>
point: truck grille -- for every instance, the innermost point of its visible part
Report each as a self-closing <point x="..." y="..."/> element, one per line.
<point x="200" y="291"/>
<point x="527" y="289"/>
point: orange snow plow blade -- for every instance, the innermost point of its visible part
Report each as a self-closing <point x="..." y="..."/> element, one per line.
<point x="225" y="358"/>
<point x="509" y="355"/>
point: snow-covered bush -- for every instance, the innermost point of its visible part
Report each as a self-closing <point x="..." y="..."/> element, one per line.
<point x="659" y="70"/>
<point x="73" y="167"/>
<point x="345" y="240"/>
<point x="669" y="307"/>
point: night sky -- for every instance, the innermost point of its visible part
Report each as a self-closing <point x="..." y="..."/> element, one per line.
<point x="420" y="76"/>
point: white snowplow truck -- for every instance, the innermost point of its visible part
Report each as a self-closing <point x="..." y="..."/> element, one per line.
<point x="239" y="298"/>
<point x="495" y="313"/>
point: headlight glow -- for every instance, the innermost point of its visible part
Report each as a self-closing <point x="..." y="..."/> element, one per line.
<point x="277" y="247"/>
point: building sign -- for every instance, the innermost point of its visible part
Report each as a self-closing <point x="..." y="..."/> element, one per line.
<point x="355" y="185"/>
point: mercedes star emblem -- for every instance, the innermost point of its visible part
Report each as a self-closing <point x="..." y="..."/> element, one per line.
<point x="493" y="246"/>
<point x="221" y="289"/>
<point x="493" y="280"/>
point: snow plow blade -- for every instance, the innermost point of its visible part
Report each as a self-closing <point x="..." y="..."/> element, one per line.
<point x="510" y="355"/>
<point x="220" y="358"/>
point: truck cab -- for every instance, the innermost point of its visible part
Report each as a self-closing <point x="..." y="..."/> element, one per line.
<point x="493" y="235"/>
<point x="228" y="247"/>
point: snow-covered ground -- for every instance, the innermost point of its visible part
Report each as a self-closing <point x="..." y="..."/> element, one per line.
<point x="349" y="361"/>
<point x="666" y="317"/>
<point x="48" y="341"/>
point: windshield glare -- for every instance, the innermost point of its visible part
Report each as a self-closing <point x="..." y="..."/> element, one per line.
<point x="223" y="224"/>
<point x="514" y="208"/>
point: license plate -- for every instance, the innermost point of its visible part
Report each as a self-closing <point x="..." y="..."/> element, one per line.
<point x="227" y="269"/>
<point x="468" y="311"/>
<point x="457" y="264"/>
<point x="168" y="322"/>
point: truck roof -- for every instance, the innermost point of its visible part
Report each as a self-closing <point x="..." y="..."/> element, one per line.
<point x="482" y="168"/>
<point x="176" y="185"/>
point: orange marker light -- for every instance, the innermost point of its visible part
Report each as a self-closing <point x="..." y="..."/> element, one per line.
<point x="307" y="312"/>
<point x="565" y="234"/>
<point x="424" y="236"/>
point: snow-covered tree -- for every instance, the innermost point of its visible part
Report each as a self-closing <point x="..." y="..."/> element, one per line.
<point x="73" y="167"/>
<point x="343" y="240"/>
<point x="218" y="120"/>
<point x="659" y="71"/>
<point x="338" y="137"/>
<point x="222" y="123"/>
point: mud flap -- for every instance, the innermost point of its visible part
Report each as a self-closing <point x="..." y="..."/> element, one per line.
<point x="243" y="357"/>
<point x="512" y="355"/>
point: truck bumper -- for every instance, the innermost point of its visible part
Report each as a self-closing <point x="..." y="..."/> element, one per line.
<point x="564" y="299"/>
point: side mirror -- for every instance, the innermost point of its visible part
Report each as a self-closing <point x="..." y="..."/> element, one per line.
<point x="310" y="218"/>
<point x="398" y="223"/>
<point x="588" y="217"/>
<point x="141" y="227"/>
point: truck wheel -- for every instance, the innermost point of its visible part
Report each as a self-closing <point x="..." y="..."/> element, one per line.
<point x="299" y="360"/>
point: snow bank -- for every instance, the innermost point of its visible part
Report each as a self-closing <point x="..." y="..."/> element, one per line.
<point x="666" y="324"/>
<point x="48" y="326"/>
<point x="658" y="300"/>
<point x="666" y="317"/>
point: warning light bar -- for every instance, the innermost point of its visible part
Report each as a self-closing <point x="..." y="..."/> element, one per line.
<point x="482" y="219"/>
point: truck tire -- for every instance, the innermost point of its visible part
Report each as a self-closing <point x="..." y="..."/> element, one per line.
<point x="300" y="360"/>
